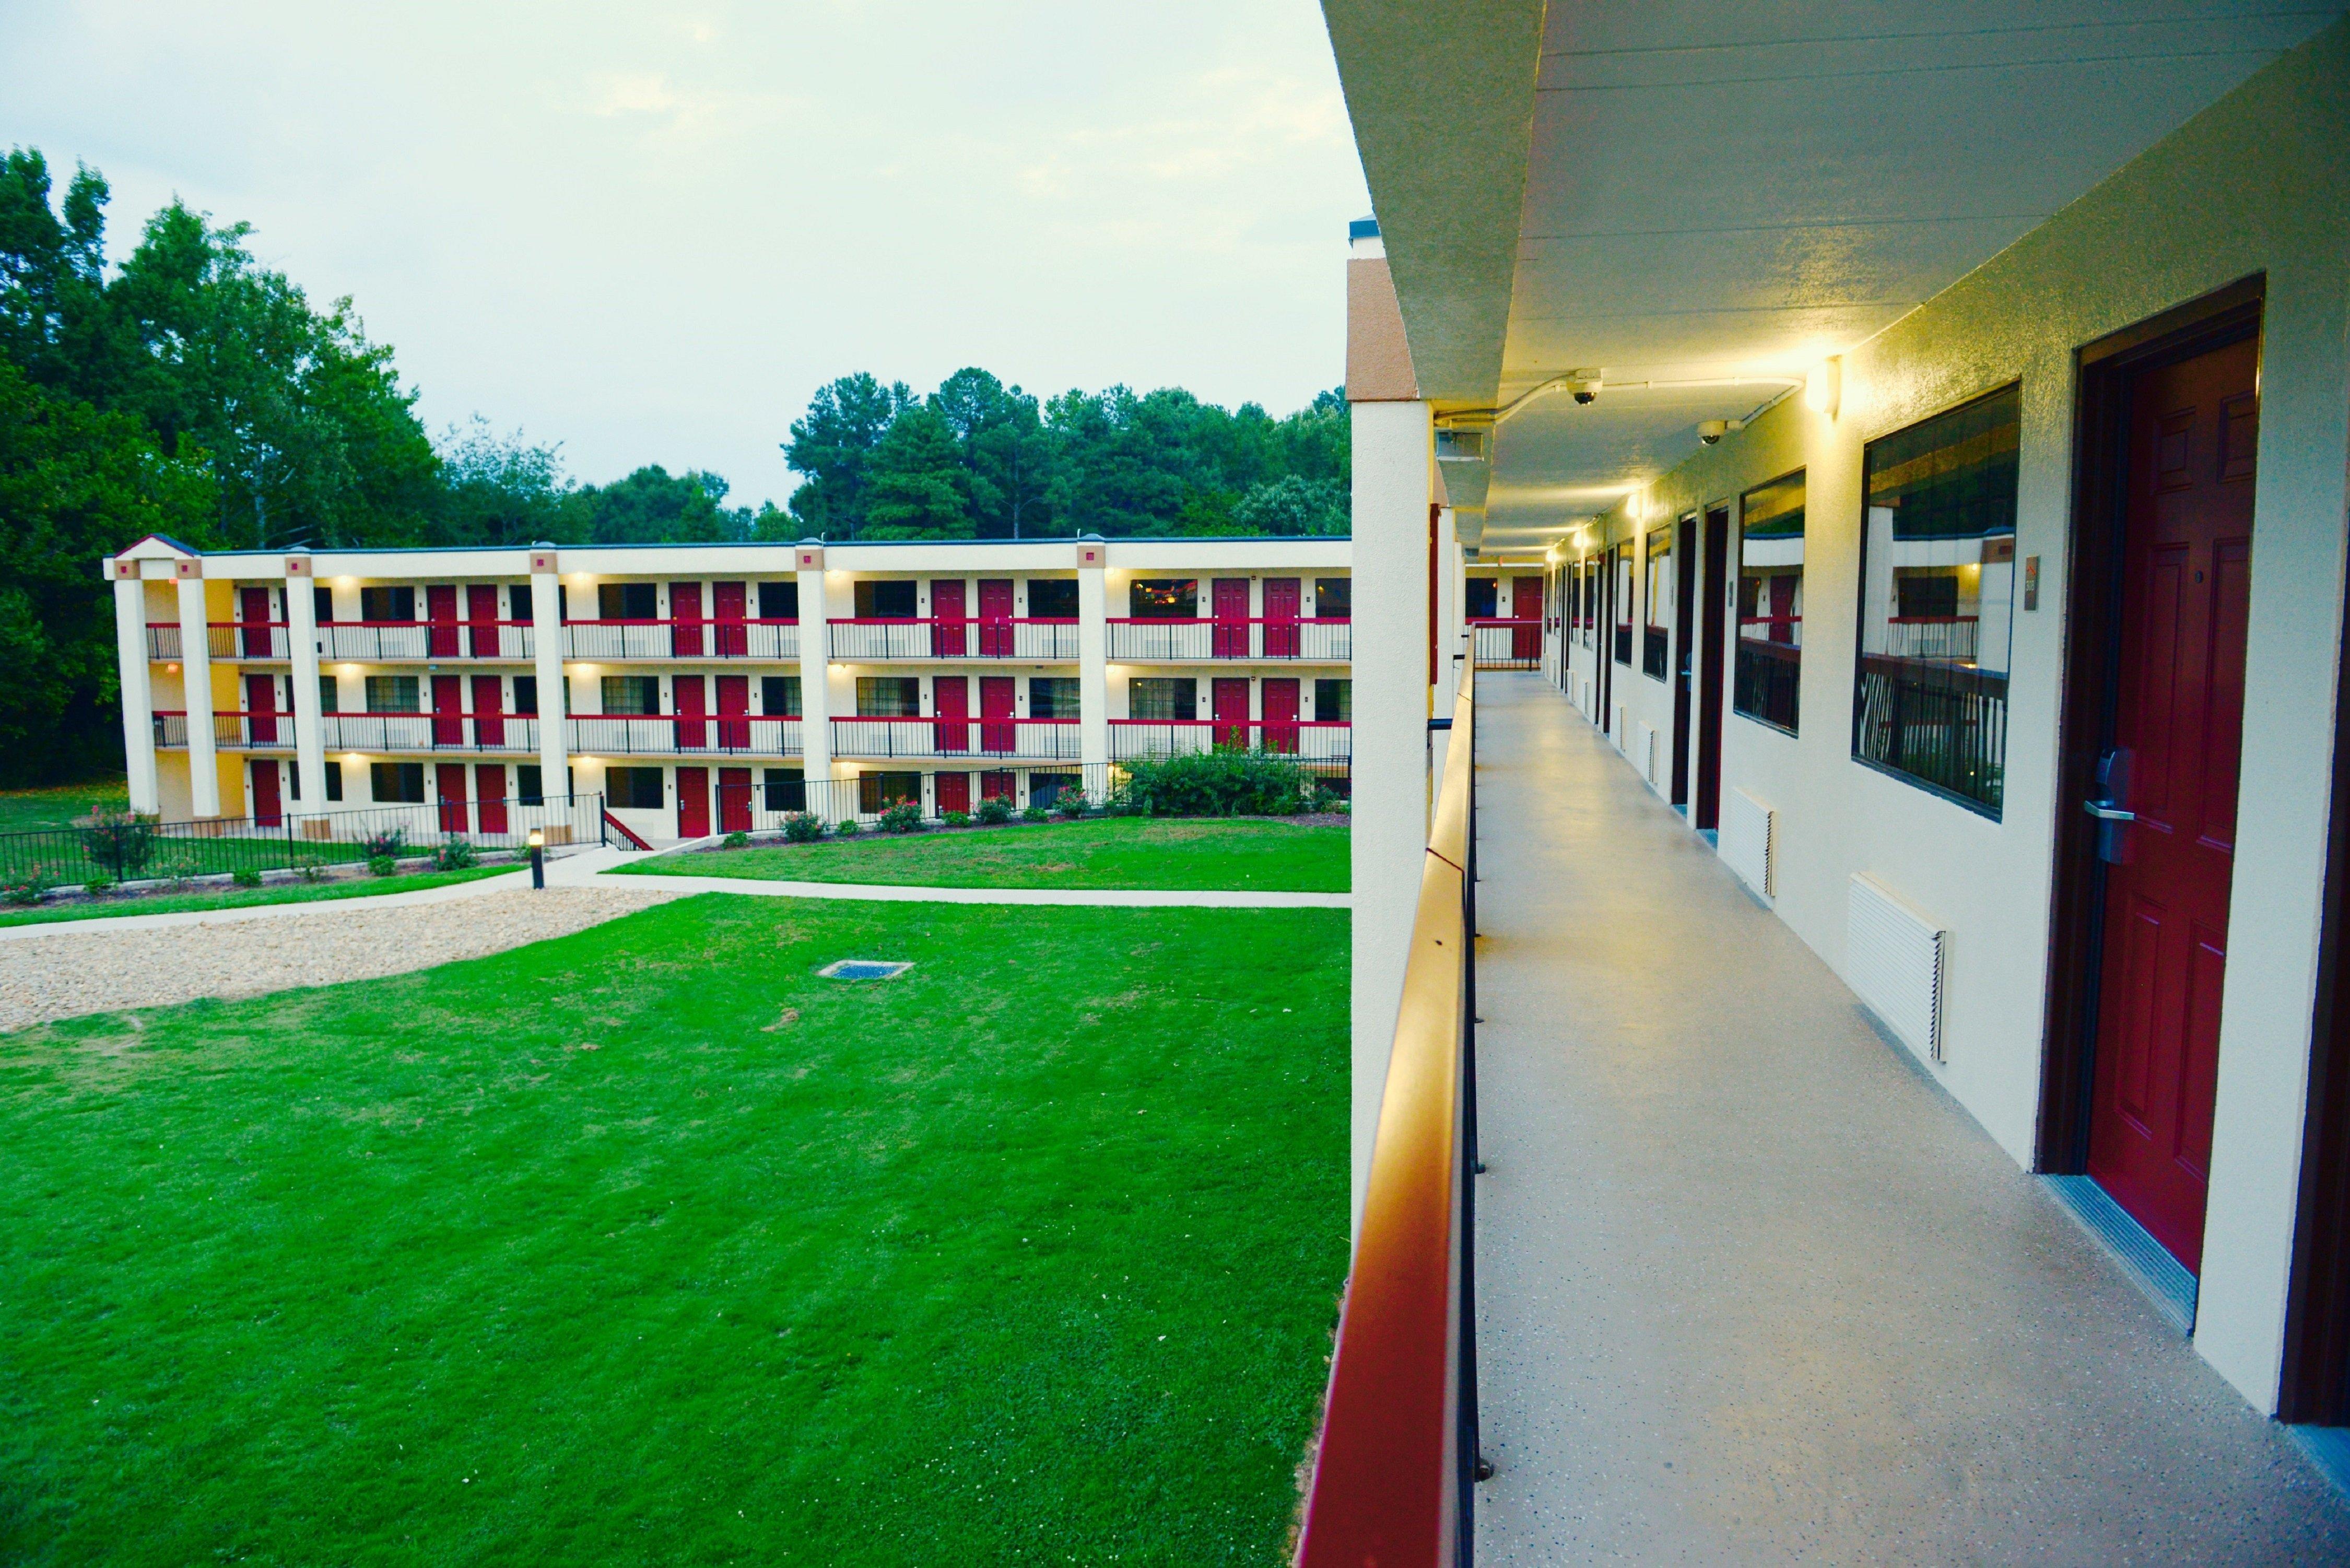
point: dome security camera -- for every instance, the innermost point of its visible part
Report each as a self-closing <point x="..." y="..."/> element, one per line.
<point x="1711" y="431"/>
<point x="1586" y="391"/>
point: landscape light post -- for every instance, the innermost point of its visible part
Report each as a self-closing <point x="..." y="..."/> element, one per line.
<point x="538" y="858"/>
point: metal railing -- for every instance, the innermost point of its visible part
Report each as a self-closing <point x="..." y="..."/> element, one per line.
<point x="430" y="732"/>
<point x="1395" y="1472"/>
<point x="1037" y="639"/>
<point x="667" y="734"/>
<point x="1944" y="725"/>
<point x="1189" y="639"/>
<point x="395" y="641"/>
<point x="163" y="641"/>
<point x="1308" y="740"/>
<point x="1766" y="681"/>
<point x="1951" y="637"/>
<point x="247" y="639"/>
<point x="1507" y="644"/>
<point x="1655" y="650"/>
<point x="1623" y="650"/>
<point x="1050" y="740"/>
<point x="615" y="642"/>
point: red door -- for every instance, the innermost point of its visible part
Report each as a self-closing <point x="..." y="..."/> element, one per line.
<point x="489" y="712"/>
<point x="1281" y="713"/>
<point x="1230" y="603"/>
<point x="950" y="705"/>
<point x="734" y="712"/>
<point x="1282" y="603"/>
<point x="448" y="710"/>
<point x="490" y="796"/>
<point x="482" y="619"/>
<point x="693" y="704"/>
<point x="733" y="800"/>
<point x="261" y="709"/>
<point x="996" y="635"/>
<point x="1526" y="608"/>
<point x="451" y="777"/>
<point x="685" y="621"/>
<point x="728" y="608"/>
<point x="252" y="619"/>
<point x="998" y="786"/>
<point x="268" y="807"/>
<point x="440" y="614"/>
<point x="950" y="627"/>
<point x="995" y="702"/>
<point x="2178" y="732"/>
<point x="693" y="803"/>
<point x="954" y="793"/>
<point x="1231" y="711"/>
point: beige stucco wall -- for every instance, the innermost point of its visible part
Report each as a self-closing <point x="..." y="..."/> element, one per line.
<point x="2260" y="184"/>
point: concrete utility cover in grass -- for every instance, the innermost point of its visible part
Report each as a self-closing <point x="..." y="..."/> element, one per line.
<point x="863" y="968"/>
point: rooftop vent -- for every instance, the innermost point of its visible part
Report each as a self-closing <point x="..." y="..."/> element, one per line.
<point x="863" y="968"/>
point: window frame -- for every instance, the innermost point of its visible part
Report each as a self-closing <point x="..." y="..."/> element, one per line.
<point x="1739" y="618"/>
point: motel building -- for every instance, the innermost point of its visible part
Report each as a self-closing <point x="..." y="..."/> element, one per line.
<point x="1858" y="1068"/>
<point x="703" y="690"/>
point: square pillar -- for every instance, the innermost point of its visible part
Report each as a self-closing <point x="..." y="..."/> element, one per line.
<point x="196" y="677"/>
<point x="1093" y="658"/>
<point x="309" y="718"/>
<point x="816" y="673"/>
<point x="546" y="656"/>
<point x="138" y="689"/>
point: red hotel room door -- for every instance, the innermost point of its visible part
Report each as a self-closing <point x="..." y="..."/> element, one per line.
<point x="995" y="617"/>
<point x="954" y="793"/>
<point x="490" y="796"/>
<point x="1230" y="707"/>
<point x="729" y="603"/>
<point x="489" y="710"/>
<point x="269" y="809"/>
<point x="1282" y="602"/>
<point x="950" y="627"/>
<point x="691" y="700"/>
<point x="685" y="621"/>
<point x="441" y="611"/>
<point x="2187" y="556"/>
<point x="253" y="614"/>
<point x="482" y="619"/>
<point x="733" y="800"/>
<point x="1526" y="608"/>
<point x="261" y="709"/>
<point x="734" y="712"/>
<point x="693" y="803"/>
<point x="1281" y="713"/>
<point x="448" y="710"/>
<point x="451" y="777"/>
<point x="951" y="707"/>
<point x="996" y="701"/>
<point x="1231" y="604"/>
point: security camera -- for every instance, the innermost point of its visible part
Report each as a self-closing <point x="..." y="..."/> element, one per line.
<point x="1586" y="391"/>
<point x="1711" y="431"/>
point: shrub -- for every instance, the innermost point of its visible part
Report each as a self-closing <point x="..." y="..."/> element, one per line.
<point x="850" y="827"/>
<point x="1036" y="814"/>
<point x="386" y="846"/>
<point x="1072" y="802"/>
<point x="906" y="816"/>
<point x="94" y="885"/>
<point x="1218" y="784"/>
<point x="121" y="841"/>
<point x="996" y="811"/>
<point x="734" y="841"/>
<point x="25" y="888"/>
<point x="245" y="876"/>
<point x="454" y="855"/>
<point x="956" y="819"/>
<point x="310" y="871"/>
<point x="382" y="865"/>
<point x="803" y="828"/>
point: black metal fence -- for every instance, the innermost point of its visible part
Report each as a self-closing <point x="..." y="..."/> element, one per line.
<point x="1943" y="725"/>
<point x="1767" y="682"/>
<point x="1653" y="651"/>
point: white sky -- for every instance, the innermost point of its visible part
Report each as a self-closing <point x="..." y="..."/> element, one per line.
<point x="650" y="231"/>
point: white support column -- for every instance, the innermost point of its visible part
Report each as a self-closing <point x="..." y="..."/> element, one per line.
<point x="816" y="670"/>
<point x="546" y="656"/>
<point x="1092" y="654"/>
<point x="196" y="677"/>
<point x="138" y="691"/>
<point x="1448" y="616"/>
<point x="1393" y="479"/>
<point x="309" y="718"/>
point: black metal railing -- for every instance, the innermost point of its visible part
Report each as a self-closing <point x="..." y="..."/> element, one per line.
<point x="1767" y="681"/>
<point x="1654" y="650"/>
<point x="1944" y="725"/>
<point x="1624" y="645"/>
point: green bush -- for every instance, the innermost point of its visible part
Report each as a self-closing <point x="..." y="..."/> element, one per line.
<point x="1072" y="802"/>
<point x="956" y="819"/>
<point x="996" y="811"/>
<point x="1036" y="814"/>
<point x="94" y="885"/>
<point x="737" y="840"/>
<point x="850" y="827"/>
<point x="906" y="816"/>
<point x="26" y="889"/>
<point x="454" y="855"/>
<point x="803" y="828"/>
<point x="121" y="841"/>
<point x="389" y="845"/>
<point x="310" y="871"/>
<point x="245" y="876"/>
<point x="1218" y="784"/>
<point x="382" y="865"/>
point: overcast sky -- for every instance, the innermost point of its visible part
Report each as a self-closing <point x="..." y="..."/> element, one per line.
<point x="649" y="231"/>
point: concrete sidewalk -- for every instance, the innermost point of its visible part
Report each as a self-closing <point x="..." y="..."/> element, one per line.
<point x="1751" y="1289"/>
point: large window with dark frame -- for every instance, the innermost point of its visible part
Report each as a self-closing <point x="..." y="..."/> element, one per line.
<point x="1656" y="633"/>
<point x="1938" y="599"/>
<point x="1767" y="679"/>
<point x="1622" y="555"/>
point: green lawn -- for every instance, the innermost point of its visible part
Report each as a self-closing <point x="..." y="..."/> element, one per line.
<point x="238" y="898"/>
<point x="648" y="1246"/>
<point x="1117" y="852"/>
<point x="22" y="810"/>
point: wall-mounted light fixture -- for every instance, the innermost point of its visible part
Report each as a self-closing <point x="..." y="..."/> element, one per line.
<point x="1824" y="387"/>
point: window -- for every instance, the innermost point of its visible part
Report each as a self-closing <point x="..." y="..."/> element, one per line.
<point x="1043" y="789"/>
<point x="1937" y="591"/>
<point x="779" y="696"/>
<point x="1482" y="596"/>
<point x="627" y="602"/>
<point x="779" y="601"/>
<point x="885" y="601"/>
<point x="393" y="694"/>
<point x="1334" y="598"/>
<point x="1052" y="696"/>
<point x="322" y="605"/>
<point x="518" y="602"/>
<point x="1765" y="683"/>
<point x="633" y="789"/>
<point x="632" y="693"/>
<point x="880" y="792"/>
<point x="1654" y="636"/>
<point x="786" y="789"/>
<point x="387" y="604"/>
<point x="1162" y="696"/>
<point x="397" y="783"/>
<point x="525" y="693"/>
<point x="330" y="695"/>
<point x="1163" y="599"/>
<point x="888" y="696"/>
<point x="1334" y="701"/>
<point x="1622" y="555"/>
<point x="1053" y="598"/>
<point x="334" y="780"/>
<point x="528" y="787"/>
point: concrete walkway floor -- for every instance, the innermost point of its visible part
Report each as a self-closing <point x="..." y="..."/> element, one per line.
<point x="1751" y="1289"/>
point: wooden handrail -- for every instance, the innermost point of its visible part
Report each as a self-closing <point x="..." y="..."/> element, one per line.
<point x="1398" y="1430"/>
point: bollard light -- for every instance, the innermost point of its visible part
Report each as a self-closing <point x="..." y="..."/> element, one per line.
<point x="538" y="857"/>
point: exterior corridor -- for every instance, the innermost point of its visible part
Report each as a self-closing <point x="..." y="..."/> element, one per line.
<point x="1750" y="1287"/>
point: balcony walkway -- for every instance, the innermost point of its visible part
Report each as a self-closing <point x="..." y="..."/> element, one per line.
<point x="1751" y="1289"/>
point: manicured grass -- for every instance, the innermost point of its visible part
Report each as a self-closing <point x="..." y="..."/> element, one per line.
<point x="237" y="897"/>
<point x="22" y="810"/>
<point x="1172" y="853"/>
<point x="648" y="1246"/>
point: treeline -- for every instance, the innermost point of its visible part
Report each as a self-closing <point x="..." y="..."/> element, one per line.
<point x="194" y="392"/>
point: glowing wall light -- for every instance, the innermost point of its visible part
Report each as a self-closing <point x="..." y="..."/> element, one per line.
<point x="1824" y="387"/>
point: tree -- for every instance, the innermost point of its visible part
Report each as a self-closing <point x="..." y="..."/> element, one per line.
<point x="497" y="489"/>
<point x="1292" y="505"/>
<point x="1006" y="450"/>
<point x="653" y="506"/>
<point x="831" y="444"/>
<point x="916" y="481"/>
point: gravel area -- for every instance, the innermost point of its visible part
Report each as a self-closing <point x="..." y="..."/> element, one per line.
<point x="70" y="974"/>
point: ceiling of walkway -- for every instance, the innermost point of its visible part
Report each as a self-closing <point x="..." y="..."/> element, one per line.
<point x="1681" y="190"/>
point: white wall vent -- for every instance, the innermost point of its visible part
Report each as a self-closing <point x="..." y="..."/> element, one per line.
<point x="1892" y="958"/>
<point x="1616" y="732"/>
<point x="1643" y="750"/>
<point x="1749" y="842"/>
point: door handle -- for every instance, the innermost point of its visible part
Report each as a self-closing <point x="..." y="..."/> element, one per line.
<point x="2105" y="812"/>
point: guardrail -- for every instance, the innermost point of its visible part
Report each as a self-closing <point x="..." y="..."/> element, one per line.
<point x="430" y="732"/>
<point x="1944" y="725"/>
<point x="1507" y="644"/>
<point x="162" y="641"/>
<point x="1186" y="640"/>
<point x="1308" y="740"/>
<point x="1037" y="639"/>
<point x="670" y="734"/>
<point x="1044" y="739"/>
<point x="616" y="641"/>
<point x="247" y="639"/>
<point x="1394" y="1472"/>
